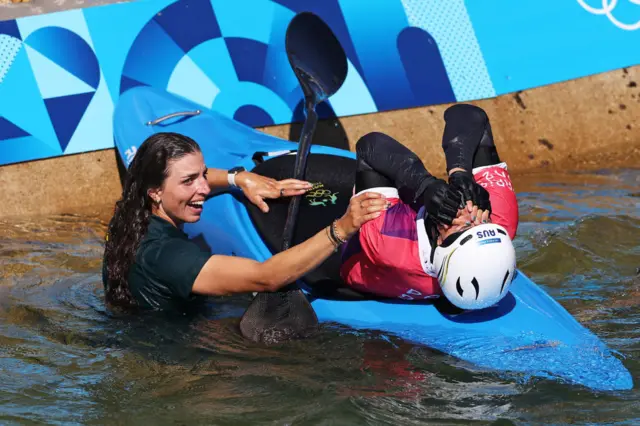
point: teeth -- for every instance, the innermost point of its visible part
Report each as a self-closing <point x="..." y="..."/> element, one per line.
<point x="197" y="203"/>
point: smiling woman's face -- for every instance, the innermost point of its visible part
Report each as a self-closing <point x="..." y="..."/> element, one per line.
<point x="183" y="192"/>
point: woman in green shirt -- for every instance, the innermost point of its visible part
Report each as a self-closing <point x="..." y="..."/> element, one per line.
<point x="150" y="262"/>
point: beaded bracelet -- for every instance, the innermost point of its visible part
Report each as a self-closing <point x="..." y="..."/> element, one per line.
<point x="334" y="233"/>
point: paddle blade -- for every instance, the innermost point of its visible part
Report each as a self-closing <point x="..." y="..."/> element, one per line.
<point x="277" y="317"/>
<point x="316" y="56"/>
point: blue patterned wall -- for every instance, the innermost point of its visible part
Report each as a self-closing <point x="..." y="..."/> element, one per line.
<point x="62" y="73"/>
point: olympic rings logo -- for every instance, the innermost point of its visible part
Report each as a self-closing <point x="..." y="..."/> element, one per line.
<point x="318" y="193"/>
<point x="607" y="9"/>
<point x="320" y="196"/>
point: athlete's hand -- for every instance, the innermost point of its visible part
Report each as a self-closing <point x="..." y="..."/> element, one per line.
<point x="442" y="202"/>
<point x="256" y="188"/>
<point x="472" y="193"/>
<point x="479" y="216"/>
<point x="467" y="216"/>
<point x="463" y="182"/>
<point x="463" y="218"/>
<point x="363" y="208"/>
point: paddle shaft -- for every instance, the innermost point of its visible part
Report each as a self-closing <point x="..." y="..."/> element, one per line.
<point x="299" y="169"/>
<point x="320" y="65"/>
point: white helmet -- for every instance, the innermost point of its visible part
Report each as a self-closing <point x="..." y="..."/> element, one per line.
<point x="476" y="267"/>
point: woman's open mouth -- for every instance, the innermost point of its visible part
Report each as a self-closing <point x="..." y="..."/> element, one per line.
<point x="196" y="205"/>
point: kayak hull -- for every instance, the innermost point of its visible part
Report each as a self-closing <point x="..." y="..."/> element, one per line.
<point x="528" y="332"/>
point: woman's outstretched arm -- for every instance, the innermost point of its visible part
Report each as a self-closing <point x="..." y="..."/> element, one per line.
<point x="224" y="275"/>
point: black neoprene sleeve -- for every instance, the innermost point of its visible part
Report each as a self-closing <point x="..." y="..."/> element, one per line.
<point x="399" y="167"/>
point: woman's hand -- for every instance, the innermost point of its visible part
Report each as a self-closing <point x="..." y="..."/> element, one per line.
<point x="469" y="215"/>
<point x="441" y="201"/>
<point x="471" y="192"/>
<point x="480" y="216"/>
<point x="256" y="188"/>
<point x="363" y="208"/>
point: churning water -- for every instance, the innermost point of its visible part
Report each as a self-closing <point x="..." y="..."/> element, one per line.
<point x="65" y="359"/>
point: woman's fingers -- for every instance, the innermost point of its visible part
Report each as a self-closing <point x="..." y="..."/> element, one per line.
<point x="259" y="201"/>
<point x="368" y="196"/>
<point x="290" y="192"/>
<point x="373" y="205"/>
<point x="294" y="183"/>
<point x="277" y="190"/>
<point x="293" y="186"/>
<point x="365" y="207"/>
<point x="362" y="218"/>
<point x="477" y="217"/>
<point x="460" y="221"/>
<point x="366" y="218"/>
<point x="485" y="216"/>
<point x="475" y="214"/>
<point x="270" y="192"/>
<point x="370" y="202"/>
<point x="470" y="206"/>
<point x="482" y="217"/>
<point x="290" y="188"/>
<point x="257" y="188"/>
<point x="291" y="180"/>
<point x="463" y="218"/>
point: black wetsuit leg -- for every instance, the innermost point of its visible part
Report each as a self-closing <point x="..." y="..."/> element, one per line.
<point x="470" y="123"/>
<point x="487" y="154"/>
<point x="383" y="161"/>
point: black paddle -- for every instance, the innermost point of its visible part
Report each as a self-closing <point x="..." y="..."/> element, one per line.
<point x="320" y="64"/>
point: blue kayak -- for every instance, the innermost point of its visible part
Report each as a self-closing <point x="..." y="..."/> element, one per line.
<point x="528" y="333"/>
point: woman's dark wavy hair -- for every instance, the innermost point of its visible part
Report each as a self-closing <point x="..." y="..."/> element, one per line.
<point x="149" y="169"/>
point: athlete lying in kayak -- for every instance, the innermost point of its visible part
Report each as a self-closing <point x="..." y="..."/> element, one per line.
<point x="149" y="262"/>
<point x="436" y="238"/>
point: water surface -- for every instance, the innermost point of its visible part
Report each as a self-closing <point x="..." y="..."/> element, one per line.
<point x="65" y="359"/>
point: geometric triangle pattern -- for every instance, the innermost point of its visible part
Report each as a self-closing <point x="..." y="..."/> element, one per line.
<point x="127" y="83"/>
<point x="8" y="130"/>
<point x="53" y="80"/>
<point x="203" y="27"/>
<point x="95" y="130"/>
<point x="10" y="28"/>
<point x="26" y="108"/>
<point x="152" y="57"/>
<point x="248" y="58"/>
<point x="25" y="148"/>
<point x="68" y="50"/>
<point x="200" y="88"/>
<point x="9" y="48"/>
<point x="230" y="55"/>
<point x="239" y="48"/>
<point x="66" y="112"/>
